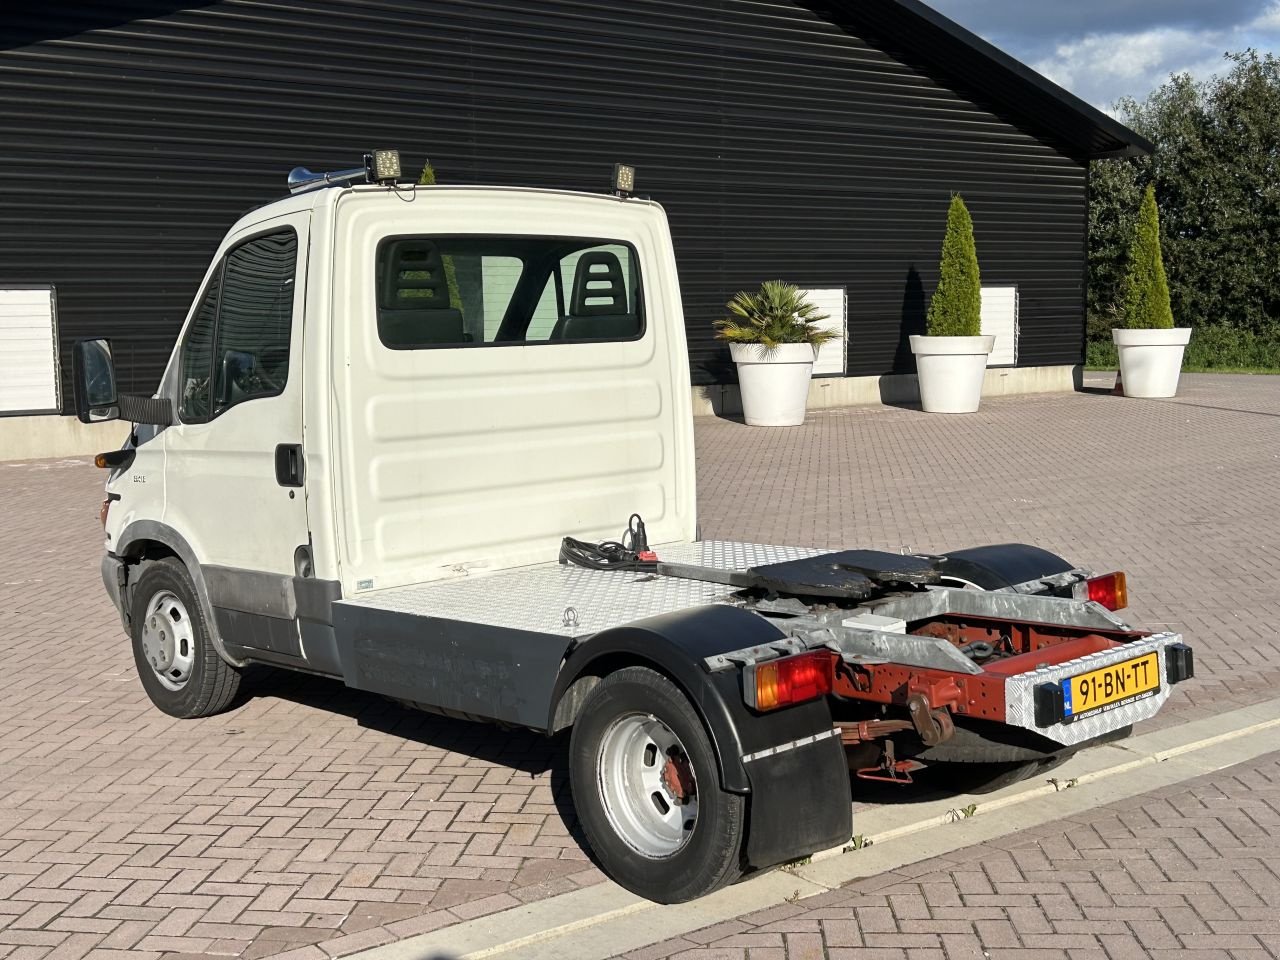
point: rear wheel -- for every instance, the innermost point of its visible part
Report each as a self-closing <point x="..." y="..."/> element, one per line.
<point x="177" y="663"/>
<point x="982" y="778"/>
<point x="647" y="791"/>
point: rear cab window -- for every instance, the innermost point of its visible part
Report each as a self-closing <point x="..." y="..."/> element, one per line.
<point x="476" y="291"/>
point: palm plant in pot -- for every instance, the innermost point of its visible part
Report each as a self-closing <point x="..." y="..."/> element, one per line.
<point x="1149" y="345"/>
<point x="951" y="358"/>
<point x="773" y="337"/>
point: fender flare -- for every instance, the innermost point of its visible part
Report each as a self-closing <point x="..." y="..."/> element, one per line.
<point x="676" y="644"/>
<point x="1001" y="565"/>
<point x="153" y="531"/>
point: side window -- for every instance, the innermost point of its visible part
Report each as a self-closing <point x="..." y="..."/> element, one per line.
<point x="255" y="319"/>
<point x="197" y="357"/>
<point x="237" y="347"/>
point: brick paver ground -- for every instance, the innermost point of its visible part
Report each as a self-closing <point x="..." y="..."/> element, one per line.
<point x="1191" y="872"/>
<point x="313" y="815"/>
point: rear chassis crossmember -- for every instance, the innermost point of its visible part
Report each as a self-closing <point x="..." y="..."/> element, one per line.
<point x="1036" y="643"/>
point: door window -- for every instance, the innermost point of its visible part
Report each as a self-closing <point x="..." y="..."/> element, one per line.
<point x="237" y="348"/>
<point x="197" y="356"/>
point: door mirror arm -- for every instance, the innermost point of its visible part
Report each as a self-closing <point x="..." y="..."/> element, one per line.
<point x="156" y="411"/>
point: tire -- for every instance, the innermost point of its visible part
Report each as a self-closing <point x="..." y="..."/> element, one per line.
<point x="983" y="778"/>
<point x="620" y="789"/>
<point x="177" y="663"/>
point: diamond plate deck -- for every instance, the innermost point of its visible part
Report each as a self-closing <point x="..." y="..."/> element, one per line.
<point x="573" y="602"/>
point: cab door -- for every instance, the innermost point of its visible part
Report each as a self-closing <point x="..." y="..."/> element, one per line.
<point x="235" y="467"/>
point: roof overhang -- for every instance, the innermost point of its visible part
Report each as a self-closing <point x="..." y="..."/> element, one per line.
<point x="915" y="32"/>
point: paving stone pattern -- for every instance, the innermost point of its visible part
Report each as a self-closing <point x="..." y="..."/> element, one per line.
<point x="1191" y="872"/>
<point x="318" y="821"/>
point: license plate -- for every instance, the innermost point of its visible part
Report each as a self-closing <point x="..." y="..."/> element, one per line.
<point x="1109" y="687"/>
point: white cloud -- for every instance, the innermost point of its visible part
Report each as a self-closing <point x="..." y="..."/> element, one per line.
<point x="1102" y="67"/>
<point x="1269" y="19"/>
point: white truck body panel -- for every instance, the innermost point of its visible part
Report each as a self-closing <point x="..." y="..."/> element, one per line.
<point x="483" y="457"/>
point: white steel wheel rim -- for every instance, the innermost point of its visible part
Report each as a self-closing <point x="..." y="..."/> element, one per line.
<point x="647" y="785"/>
<point x="168" y="640"/>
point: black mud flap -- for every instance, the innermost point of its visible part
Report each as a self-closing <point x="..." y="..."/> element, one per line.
<point x="800" y="802"/>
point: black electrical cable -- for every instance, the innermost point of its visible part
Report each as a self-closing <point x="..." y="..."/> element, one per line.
<point x="631" y="554"/>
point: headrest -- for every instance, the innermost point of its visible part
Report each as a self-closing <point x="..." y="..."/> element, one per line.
<point x="413" y="276"/>
<point x="598" y="287"/>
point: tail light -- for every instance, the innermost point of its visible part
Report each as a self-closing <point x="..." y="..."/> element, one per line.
<point x="1111" y="591"/>
<point x="780" y="683"/>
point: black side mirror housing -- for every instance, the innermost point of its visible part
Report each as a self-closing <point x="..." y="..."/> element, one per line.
<point x="94" y="381"/>
<point x="96" y="397"/>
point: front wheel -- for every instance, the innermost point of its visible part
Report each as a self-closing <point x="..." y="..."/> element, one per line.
<point x="179" y="668"/>
<point x="647" y="790"/>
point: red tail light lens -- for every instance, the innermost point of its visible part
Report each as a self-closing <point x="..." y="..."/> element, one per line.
<point x="780" y="683"/>
<point x="1111" y="591"/>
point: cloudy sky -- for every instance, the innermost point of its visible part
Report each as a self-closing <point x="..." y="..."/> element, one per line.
<point x="1102" y="50"/>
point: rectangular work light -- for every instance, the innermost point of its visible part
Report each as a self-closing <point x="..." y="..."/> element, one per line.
<point x="624" y="179"/>
<point x="384" y="166"/>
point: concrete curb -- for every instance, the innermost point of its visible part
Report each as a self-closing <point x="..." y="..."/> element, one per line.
<point x="605" y="920"/>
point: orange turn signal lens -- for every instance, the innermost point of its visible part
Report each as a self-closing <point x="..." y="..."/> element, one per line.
<point x="1111" y="591"/>
<point x="780" y="683"/>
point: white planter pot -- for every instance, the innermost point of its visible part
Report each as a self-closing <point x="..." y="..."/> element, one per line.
<point x="774" y="384"/>
<point x="1151" y="360"/>
<point x="951" y="370"/>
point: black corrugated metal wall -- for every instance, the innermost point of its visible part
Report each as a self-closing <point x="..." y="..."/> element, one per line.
<point x="781" y="146"/>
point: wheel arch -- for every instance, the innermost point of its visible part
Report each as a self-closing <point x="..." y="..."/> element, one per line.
<point x="145" y="541"/>
<point x="675" y="645"/>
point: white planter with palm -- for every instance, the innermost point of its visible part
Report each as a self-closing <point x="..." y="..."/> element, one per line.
<point x="1150" y="347"/>
<point x="951" y="359"/>
<point x="773" y="338"/>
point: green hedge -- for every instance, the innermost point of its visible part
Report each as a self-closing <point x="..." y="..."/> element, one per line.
<point x="1212" y="347"/>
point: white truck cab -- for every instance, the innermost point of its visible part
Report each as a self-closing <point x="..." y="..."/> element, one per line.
<point x="395" y="422"/>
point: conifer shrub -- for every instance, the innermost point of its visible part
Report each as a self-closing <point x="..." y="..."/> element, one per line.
<point x="1145" y="301"/>
<point x="956" y="307"/>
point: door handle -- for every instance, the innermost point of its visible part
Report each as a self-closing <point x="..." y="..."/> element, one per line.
<point x="289" y="470"/>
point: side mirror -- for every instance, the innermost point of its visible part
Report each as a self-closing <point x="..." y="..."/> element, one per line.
<point x="94" y="376"/>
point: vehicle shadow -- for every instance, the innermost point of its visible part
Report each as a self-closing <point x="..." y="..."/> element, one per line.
<point x="520" y="749"/>
<point x="536" y="755"/>
<point x="529" y="752"/>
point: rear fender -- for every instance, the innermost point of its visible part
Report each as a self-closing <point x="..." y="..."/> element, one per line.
<point x="676" y="644"/>
<point x="789" y="761"/>
<point x="1001" y="565"/>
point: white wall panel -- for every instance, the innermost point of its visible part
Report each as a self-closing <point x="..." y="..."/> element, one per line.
<point x="28" y="351"/>
<point x="1000" y="317"/>
<point x="831" y="356"/>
